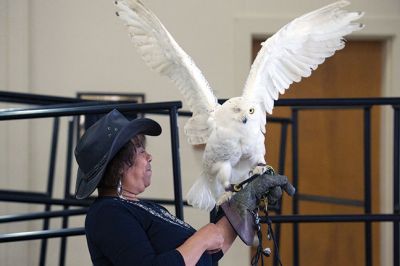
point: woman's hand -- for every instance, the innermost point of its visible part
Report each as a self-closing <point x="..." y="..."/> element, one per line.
<point x="208" y="238"/>
<point x="212" y="237"/>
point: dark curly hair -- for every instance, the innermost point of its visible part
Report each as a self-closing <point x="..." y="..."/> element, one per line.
<point x="124" y="158"/>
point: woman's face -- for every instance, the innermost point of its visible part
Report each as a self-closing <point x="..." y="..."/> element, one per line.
<point x="137" y="177"/>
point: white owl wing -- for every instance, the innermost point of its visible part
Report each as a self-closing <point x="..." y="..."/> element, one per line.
<point x="297" y="49"/>
<point x="161" y="52"/>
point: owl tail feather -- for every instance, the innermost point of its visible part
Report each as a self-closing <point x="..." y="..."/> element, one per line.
<point x="200" y="196"/>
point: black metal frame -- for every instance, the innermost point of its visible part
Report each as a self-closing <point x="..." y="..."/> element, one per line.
<point x="360" y="103"/>
<point x="64" y="106"/>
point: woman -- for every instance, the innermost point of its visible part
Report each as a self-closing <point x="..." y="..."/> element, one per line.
<point x="122" y="229"/>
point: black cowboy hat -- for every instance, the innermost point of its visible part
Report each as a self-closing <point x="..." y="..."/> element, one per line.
<point x="100" y="144"/>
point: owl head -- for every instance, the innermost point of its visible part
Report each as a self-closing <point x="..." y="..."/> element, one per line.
<point x="238" y="110"/>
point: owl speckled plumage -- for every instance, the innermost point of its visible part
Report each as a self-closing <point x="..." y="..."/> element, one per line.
<point x="235" y="146"/>
<point x="234" y="131"/>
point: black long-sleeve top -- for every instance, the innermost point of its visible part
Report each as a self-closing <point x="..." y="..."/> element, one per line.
<point x="123" y="232"/>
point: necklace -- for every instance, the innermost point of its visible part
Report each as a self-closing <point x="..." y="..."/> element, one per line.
<point x="157" y="211"/>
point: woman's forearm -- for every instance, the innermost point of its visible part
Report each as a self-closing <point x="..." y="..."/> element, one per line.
<point x="228" y="233"/>
<point x="192" y="250"/>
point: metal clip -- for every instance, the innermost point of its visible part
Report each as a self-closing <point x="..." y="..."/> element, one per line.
<point x="257" y="221"/>
<point x="267" y="252"/>
<point x="237" y="188"/>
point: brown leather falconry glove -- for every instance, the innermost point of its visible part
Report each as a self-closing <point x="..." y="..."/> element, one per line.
<point x="241" y="207"/>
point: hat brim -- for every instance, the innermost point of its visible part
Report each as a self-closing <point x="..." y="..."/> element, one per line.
<point x="84" y="186"/>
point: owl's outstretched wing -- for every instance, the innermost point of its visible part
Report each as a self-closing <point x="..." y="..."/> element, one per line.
<point x="297" y="49"/>
<point x="161" y="52"/>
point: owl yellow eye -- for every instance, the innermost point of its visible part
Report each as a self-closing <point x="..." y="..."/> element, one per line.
<point x="251" y="110"/>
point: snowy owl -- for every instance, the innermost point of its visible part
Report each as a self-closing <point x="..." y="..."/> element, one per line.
<point x="234" y="131"/>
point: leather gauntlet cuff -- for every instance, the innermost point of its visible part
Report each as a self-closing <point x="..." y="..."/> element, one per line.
<point x="242" y="221"/>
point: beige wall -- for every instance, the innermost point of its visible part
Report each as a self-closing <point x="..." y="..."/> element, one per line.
<point x="62" y="47"/>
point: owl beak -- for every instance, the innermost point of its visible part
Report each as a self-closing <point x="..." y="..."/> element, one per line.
<point x="244" y="120"/>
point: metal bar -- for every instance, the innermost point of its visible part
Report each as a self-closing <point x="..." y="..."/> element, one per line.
<point x="329" y="107"/>
<point x="25" y="98"/>
<point x="330" y="200"/>
<point x="69" y="159"/>
<point x="40" y="215"/>
<point x="40" y="199"/>
<point x="281" y="171"/>
<point x="338" y="101"/>
<point x="176" y="166"/>
<point x="396" y="184"/>
<point x="295" y="201"/>
<point x="33" y="198"/>
<point x="17" y="194"/>
<point x="21" y="236"/>
<point x="50" y="185"/>
<point x="45" y="234"/>
<point x="335" y="101"/>
<point x="367" y="184"/>
<point x="29" y="98"/>
<point x="41" y="98"/>
<point x="282" y="149"/>
<point x="67" y="185"/>
<point x="84" y="108"/>
<point x="334" y="218"/>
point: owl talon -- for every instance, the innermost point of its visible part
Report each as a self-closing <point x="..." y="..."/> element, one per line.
<point x="258" y="170"/>
<point x="224" y="197"/>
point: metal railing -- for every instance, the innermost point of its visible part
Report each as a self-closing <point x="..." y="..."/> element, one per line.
<point x="62" y="106"/>
<point x="56" y="107"/>
<point x="364" y="104"/>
